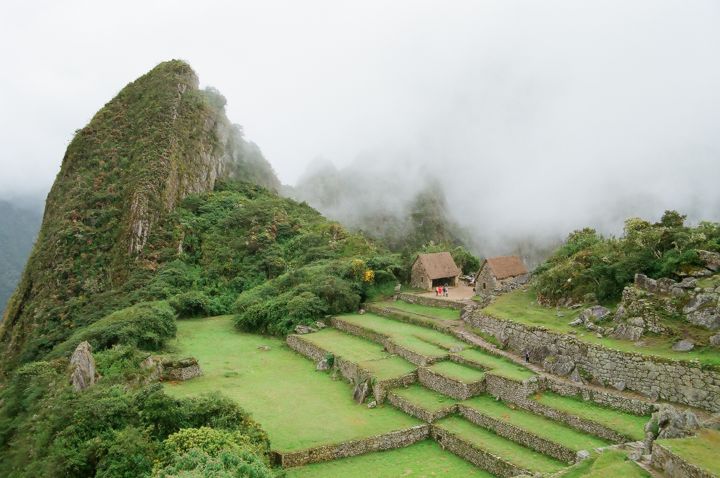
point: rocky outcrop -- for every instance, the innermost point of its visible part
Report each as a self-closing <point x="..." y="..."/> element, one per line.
<point x="669" y="422"/>
<point x="83" y="373"/>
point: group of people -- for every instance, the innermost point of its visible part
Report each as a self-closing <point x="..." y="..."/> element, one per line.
<point x="441" y="291"/>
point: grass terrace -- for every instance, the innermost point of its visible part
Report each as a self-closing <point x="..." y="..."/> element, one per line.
<point x="365" y="353"/>
<point x="422" y="340"/>
<point x="499" y="446"/>
<point x="701" y="450"/>
<point x="299" y="407"/>
<point x="422" y="310"/>
<point x="627" y="424"/>
<point x="422" y="460"/>
<point x="521" y="306"/>
<point x="497" y="365"/>
<point x="536" y="424"/>
<point x="608" y="464"/>
<point x="459" y="372"/>
<point x="425" y="398"/>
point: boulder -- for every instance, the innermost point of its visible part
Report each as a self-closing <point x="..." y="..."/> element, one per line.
<point x="669" y="422"/>
<point x="703" y="310"/>
<point x="626" y="331"/>
<point x="715" y="340"/>
<point x="645" y="283"/>
<point x="83" y="373"/>
<point x="576" y="322"/>
<point x="361" y="391"/>
<point x="582" y="455"/>
<point x="596" y="313"/>
<point x="683" y="345"/>
<point x="688" y="283"/>
<point x="323" y="365"/>
<point x="320" y="325"/>
<point x="619" y="386"/>
<point x="710" y="259"/>
<point x="264" y="348"/>
<point x="372" y="404"/>
<point x="575" y="376"/>
<point x="301" y="329"/>
<point x="560" y="365"/>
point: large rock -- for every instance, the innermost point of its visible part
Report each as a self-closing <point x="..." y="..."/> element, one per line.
<point x="715" y="340"/>
<point x="710" y="259"/>
<point x="595" y="313"/>
<point x="669" y="422"/>
<point x="361" y="391"/>
<point x="82" y="364"/>
<point x="683" y="346"/>
<point x="703" y="310"/>
<point x="559" y="365"/>
<point x="625" y="331"/>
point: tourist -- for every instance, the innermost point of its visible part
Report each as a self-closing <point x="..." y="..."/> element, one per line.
<point x="445" y="291"/>
<point x="527" y="357"/>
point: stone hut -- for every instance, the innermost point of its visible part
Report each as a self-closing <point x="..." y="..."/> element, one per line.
<point x="433" y="270"/>
<point x="500" y="274"/>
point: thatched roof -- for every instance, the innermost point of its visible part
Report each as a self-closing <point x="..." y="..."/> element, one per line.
<point x="505" y="266"/>
<point x="438" y="265"/>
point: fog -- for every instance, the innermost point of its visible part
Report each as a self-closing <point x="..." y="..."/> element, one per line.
<point x="536" y="117"/>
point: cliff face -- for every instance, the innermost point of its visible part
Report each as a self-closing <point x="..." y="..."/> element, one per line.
<point x="160" y="139"/>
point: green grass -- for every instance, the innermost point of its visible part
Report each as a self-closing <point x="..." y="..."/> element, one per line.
<point x="458" y="372"/>
<point x="536" y="424"/>
<point x="422" y="460"/>
<point x="520" y="306"/>
<point x="423" y="310"/>
<point x="625" y="423"/>
<point x="701" y="450"/>
<point x="299" y="407"/>
<point x="422" y="340"/>
<point x="425" y="398"/>
<point x="497" y="365"/>
<point x="510" y="451"/>
<point x="608" y="464"/>
<point x="368" y="355"/>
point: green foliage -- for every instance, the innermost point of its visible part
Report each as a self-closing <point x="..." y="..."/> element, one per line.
<point x="226" y="464"/>
<point x="110" y="429"/>
<point x="588" y="263"/>
<point x="192" y="303"/>
<point x="19" y="225"/>
<point x="145" y="325"/>
<point x="211" y="441"/>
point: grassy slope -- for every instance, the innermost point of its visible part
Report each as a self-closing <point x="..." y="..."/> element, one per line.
<point x="541" y="426"/>
<point x="422" y="460"/>
<point x="499" y="446"/>
<point x="368" y="355"/>
<point x="422" y="340"/>
<point x="423" y="310"/>
<point x="701" y="450"/>
<point x="498" y="365"/>
<point x="609" y="464"/>
<point x="458" y="372"/>
<point x="298" y="406"/>
<point x="625" y="423"/>
<point x="520" y="306"/>
<point x="425" y="398"/>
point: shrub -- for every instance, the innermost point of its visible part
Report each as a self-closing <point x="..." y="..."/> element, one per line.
<point x="198" y="464"/>
<point x="145" y="325"/>
<point x="192" y="303"/>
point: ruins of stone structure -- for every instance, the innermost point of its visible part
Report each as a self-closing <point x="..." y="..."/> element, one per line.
<point x="500" y="274"/>
<point x="433" y="270"/>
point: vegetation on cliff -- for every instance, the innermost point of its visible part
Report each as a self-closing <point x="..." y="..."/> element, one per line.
<point x="589" y="263"/>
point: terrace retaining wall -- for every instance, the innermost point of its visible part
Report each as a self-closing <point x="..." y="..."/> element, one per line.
<point x="386" y="441"/>
<point x="681" y="382"/>
<point x="437" y="324"/>
<point x="349" y="370"/>
<point x="429" y="301"/>
<point x="448" y="386"/>
<point x="519" y="435"/>
<point x="419" y="412"/>
<point x="674" y="466"/>
<point x="494" y="464"/>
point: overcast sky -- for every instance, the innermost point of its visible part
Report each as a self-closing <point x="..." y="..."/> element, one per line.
<point x="562" y="110"/>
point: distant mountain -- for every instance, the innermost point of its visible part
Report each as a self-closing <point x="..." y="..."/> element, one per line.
<point x="19" y="225"/>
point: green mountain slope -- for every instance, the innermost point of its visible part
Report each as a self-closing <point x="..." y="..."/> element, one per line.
<point x="159" y="140"/>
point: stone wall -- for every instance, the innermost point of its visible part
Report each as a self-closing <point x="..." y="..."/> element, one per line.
<point x="414" y="319"/>
<point x="450" y="387"/>
<point x="419" y="412"/>
<point x="466" y="450"/>
<point x="386" y="441"/>
<point x="673" y="466"/>
<point x="596" y="395"/>
<point x="681" y="382"/>
<point x="510" y="390"/>
<point x="349" y="370"/>
<point x="429" y="301"/>
<point x="385" y="341"/>
<point x="518" y="435"/>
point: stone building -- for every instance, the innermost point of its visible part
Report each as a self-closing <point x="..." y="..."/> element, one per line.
<point x="433" y="270"/>
<point x="500" y="274"/>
